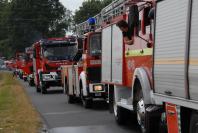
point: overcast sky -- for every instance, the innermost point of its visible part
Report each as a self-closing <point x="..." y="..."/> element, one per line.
<point x="72" y="4"/>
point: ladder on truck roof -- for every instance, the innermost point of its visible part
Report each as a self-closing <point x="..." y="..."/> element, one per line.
<point x="84" y="26"/>
<point x="116" y="8"/>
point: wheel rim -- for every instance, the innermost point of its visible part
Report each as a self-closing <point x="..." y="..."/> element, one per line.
<point x="141" y="111"/>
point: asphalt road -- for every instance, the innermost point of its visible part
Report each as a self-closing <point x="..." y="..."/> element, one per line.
<point x="61" y="117"/>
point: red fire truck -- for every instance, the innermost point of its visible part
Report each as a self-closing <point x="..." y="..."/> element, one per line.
<point x="20" y="57"/>
<point x="82" y="80"/>
<point x="48" y="56"/>
<point x="176" y="64"/>
<point x="127" y="69"/>
<point x="28" y="66"/>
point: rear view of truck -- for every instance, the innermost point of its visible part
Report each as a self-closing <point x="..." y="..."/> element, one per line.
<point x="49" y="55"/>
<point x="28" y="66"/>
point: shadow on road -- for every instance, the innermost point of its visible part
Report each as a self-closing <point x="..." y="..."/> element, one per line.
<point x="52" y="91"/>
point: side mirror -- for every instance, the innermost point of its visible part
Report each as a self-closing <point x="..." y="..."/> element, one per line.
<point x="133" y="17"/>
<point x="146" y="19"/>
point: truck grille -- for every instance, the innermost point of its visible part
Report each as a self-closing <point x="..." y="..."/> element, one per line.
<point x="94" y="74"/>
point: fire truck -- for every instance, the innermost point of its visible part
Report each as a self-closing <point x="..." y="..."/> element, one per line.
<point x="28" y="66"/>
<point x="175" y="63"/>
<point x="48" y="56"/>
<point x="82" y="80"/>
<point x="127" y="69"/>
<point x="20" y="57"/>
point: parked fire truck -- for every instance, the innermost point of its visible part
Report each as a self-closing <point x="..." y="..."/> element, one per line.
<point x="127" y="69"/>
<point x="82" y="80"/>
<point x="20" y="57"/>
<point x="28" y="66"/>
<point x="49" y="55"/>
<point x="175" y="68"/>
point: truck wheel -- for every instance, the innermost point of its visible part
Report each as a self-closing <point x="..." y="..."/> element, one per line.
<point x="65" y="88"/>
<point x="119" y="114"/>
<point x="43" y="90"/>
<point x="70" y="99"/>
<point x="38" y="89"/>
<point x="87" y="103"/>
<point x="25" y="79"/>
<point x="31" y="83"/>
<point x="145" y="121"/>
<point x="194" y="123"/>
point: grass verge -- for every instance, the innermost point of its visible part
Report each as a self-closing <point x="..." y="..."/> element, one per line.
<point x="17" y="114"/>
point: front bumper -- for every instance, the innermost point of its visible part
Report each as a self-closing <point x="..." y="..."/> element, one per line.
<point x="50" y="77"/>
<point x="52" y="83"/>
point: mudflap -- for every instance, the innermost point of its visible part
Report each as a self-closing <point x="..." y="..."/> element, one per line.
<point x="154" y="114"/>
<point x="111" y="98"/>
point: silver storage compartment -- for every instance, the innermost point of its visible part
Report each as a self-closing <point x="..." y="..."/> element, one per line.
<point x="170" y="45"/>
<point x="193" y="66"/>
<point x="117" y="55"/>
<point x="106" y="54"/>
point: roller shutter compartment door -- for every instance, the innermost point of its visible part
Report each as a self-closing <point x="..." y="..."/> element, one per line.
<point x="170" y="45"/>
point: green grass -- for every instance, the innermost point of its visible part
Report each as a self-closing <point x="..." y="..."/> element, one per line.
<point x="17" y="114"/>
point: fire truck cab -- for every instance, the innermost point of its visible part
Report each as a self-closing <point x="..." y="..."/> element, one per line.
<point x="82" y="80"/>
<point x="20" y="58"/>
<point x="49" y="55"/>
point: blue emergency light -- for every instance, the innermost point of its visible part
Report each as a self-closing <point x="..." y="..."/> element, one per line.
<point x="92" y="21"/>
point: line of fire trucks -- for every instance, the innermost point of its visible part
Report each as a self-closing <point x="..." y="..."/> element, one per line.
<point x="155" y="78"/>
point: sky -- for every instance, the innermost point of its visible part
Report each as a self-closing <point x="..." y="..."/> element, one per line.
<point x="72" y="4"/>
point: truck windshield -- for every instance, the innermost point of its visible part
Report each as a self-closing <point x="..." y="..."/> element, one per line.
<point x="95" y="44"/>
<point x="59" y="52"/>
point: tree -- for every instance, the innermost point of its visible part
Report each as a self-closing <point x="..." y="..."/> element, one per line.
<point x="89" y="8"/>
<point x="27" y="21"/>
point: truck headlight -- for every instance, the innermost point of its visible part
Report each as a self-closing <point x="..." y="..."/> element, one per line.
<point x="98" y="88"/>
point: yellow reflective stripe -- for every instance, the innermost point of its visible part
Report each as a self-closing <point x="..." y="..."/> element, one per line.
<point x="193" y="61"/>
<point x="139" y="52"/>
<point x="169" y="62"/>
<point x="175" y="61"/>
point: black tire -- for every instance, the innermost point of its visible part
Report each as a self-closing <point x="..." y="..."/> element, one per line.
<point x="87" y="103"/>
<point x="38" y="89"/>
<point x="31" y="83"/>
<point x="120" y="115"/>
<point x="25" y="79"/>
<point x="145" y="120"/>
<point x="43" y="90"/>
<point x="70" y="99"/>
<point x="194" y="123"/>
<point x="65" y="88"/>
<point x="111" y="99"/>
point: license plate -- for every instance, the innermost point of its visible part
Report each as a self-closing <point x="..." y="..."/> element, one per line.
<point x="98" y="94"/>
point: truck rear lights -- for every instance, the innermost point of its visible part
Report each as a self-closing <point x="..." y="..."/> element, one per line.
<point x="97" y="88"/>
